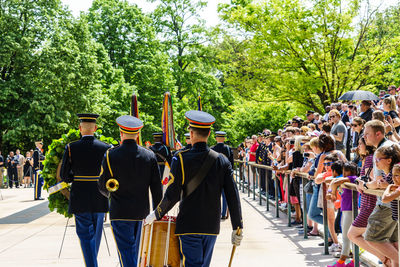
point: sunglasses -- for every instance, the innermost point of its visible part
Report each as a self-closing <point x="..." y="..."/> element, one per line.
<point x="328" y="163"/>
<point x="331" y="117"/>
<point x="354" y="125"/>
<point x="379" y="159"/>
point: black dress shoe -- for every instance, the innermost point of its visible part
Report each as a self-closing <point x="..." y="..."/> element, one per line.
<point x="329" y="244"/>
<point x="39" y="198"/>
<point x="224" y="217"/>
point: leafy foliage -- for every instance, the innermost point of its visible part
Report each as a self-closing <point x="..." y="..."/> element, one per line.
<point x="132" y="47"/>
<point x="268" y="60"/>
<point x="307" y="53"/>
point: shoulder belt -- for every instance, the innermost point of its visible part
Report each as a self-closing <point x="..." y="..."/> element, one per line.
<point x="161" y="156"/>
<point x="203" y="171"/>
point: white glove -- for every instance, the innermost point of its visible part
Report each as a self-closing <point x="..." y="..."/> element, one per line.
<point x="150" y="218"/>
<point x="236" y="239"/>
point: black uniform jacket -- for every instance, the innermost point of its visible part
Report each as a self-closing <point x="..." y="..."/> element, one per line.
<point x="187" y="147"/>
<point x="224" y="149"/>
<point x="81" y="166"/>
<point x="200" y="212"/>
<point x="38" y="158"/>
<point x="259" y="152"/>
<point x="135" y="168"/>
<point x="162" y="153"/>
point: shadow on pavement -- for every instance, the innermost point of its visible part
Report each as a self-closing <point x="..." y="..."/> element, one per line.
<point x="313" y="254"/>
<point x="27" y="215"/>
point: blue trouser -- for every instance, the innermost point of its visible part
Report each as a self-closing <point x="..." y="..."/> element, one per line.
<point x="196" y="250"/>
<point x="224" y="205"/>
<point x="127" y="237"/>
<point x="314" y="213"/>
<point x="38" y="185"/>
<point x="89" y="228"/>
<point x="308" y="201"/>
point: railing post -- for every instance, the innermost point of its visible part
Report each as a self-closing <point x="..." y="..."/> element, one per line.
<point x="254" y="182"/>
<point x="267" y="189"/>
<point x="259" y="186"/>
<point x="276" y="196"/>
<point x="356" y="250"/>
<point x="289" y="205"/>
<point x="242" y="171"/>
<point x="248" y="180"/>
<point x="304" y="181"/>
<point x="326" y="249"/>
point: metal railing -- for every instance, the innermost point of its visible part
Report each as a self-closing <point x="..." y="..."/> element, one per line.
<point x="243" y="167"/>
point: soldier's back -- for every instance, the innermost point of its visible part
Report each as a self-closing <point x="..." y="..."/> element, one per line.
<point x="136" y="170"/>
<point x="86" y="156"/>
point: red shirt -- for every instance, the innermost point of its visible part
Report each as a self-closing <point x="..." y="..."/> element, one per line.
<point x="253" y="149"/>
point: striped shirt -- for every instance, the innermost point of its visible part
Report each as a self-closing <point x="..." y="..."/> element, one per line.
<point x="367" y="203"/>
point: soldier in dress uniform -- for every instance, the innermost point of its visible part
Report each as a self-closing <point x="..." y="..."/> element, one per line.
<point x="81" y="166"/>
<point x="220" y="147"/>
<point x="260" y="152"/>
<point x="38" y="159"/>
<point x="199" y="175"/>
<point x="267" y="161"/>
<point x="163" y="153"/>
<point x="135" y="168"/>
<point x="188" y="142"/>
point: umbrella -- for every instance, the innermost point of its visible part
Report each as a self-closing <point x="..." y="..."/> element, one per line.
<point x="359" y="95"/>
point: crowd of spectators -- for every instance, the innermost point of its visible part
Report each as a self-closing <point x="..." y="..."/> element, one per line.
<point x="16" y="169"/>
<point x="354" y="142"/>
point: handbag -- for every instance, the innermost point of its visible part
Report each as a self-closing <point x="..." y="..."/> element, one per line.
<point x="308" y="187"/>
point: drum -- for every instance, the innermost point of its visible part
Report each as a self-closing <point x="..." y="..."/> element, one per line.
<point x="159" y="247"/>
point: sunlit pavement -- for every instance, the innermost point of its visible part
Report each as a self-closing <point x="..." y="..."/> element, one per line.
<point x="31" y="235"/>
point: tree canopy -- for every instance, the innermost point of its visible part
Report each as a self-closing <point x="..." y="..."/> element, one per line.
<point x="266" y="61"/>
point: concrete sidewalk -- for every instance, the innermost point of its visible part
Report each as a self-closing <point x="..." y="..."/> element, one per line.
<point x="30" y="235"/>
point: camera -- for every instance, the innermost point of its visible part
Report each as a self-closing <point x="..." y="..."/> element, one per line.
<point x="291" y="142"/>
<point x="306" y="154"/>
<point x="364" y="178"/>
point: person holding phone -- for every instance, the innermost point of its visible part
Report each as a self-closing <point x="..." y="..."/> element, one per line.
<point x="389" y="107"/>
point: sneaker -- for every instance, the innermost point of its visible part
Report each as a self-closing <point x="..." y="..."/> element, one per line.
<point x="337" y="254"/>
<point x="335" y="248"/>
<point x="337" y="264"/>
<point x="350" y="264"/>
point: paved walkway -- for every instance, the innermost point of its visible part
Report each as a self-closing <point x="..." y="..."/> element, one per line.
<point x="30" y="235"/>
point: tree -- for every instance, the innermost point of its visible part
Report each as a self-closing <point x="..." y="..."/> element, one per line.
<point x="189" y="45"/>
<point x="310" y="54"/>
<point x="132" y="47"/>
<point x="51" y="69"/>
